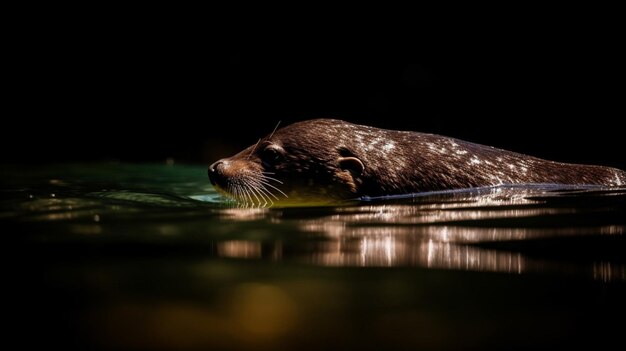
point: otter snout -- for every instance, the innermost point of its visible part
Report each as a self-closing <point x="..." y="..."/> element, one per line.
<point x="213" y="167"/>
<point x="216" y="172"/>
<point x="223" y="172"/>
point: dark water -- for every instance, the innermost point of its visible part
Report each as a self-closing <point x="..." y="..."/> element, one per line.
<point x="110" y="256"/>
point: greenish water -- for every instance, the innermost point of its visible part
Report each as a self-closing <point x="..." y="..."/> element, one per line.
<point x="114" y="256"/>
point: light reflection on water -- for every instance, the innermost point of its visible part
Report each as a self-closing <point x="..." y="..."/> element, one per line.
<point x="149" y="257"/>
<point x="461" y="231"/>
<point x="494" y="229"/>
<point x="399" y="248"/>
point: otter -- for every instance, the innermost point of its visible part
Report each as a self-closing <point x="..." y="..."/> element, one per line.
<point x="326" y="160"/>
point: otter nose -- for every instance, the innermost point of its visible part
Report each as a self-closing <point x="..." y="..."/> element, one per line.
<point x="216" y="171"/>
<point x="213" y="167"/>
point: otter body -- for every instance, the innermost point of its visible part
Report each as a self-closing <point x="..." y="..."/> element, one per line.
<point x="323" y="160"/>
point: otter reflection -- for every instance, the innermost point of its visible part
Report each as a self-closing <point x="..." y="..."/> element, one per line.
<point x="393" y="249"/>
<point x="388" y="251"/>
<point x="494" y="230"/>
<point x="509" y="230"/>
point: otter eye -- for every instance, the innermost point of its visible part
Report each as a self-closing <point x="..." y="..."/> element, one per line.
<point x="270" y="155"/>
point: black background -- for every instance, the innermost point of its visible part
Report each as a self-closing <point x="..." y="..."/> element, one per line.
<point x="136" y="91"/>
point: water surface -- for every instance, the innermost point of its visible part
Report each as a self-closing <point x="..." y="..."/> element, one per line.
<point x="115" y="256"/>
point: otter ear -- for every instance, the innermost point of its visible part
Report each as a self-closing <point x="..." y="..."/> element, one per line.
<point x="351" y="164"/>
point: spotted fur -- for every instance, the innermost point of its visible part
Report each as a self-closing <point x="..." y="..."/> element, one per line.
<point x="324" y="159"/>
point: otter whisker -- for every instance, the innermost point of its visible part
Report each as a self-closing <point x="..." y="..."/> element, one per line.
<point x="254" y="148"/>
<point x="237" y="193"/>
<point x="273" y="187"/>
<point x="262" y="189"/>
<point x="264" y="195"/>
<point x="243" y="196"/>
<point x="267" y="182"/>
<point x="246" y="189"/>
<point x="234" y="192"/>
<point x="265" y="203"/>
<point x="248" y="195"/>
<point x="249" y="183"/>
<point x="254" y="190"/>
<point x="251" y="189"/>
<point x="270" y="178"/>
<point x="274" y="131"/>
<point x="260" y="183"/>
<point x="251" y="194"/>
<point x="267" y="192"/>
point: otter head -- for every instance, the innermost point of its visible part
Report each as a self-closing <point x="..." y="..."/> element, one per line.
<point x="304" y="163"/>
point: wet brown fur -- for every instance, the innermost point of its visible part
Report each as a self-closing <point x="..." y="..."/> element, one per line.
<point x="333" y="159"/>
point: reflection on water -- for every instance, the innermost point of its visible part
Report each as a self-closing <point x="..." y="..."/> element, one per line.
<point x="478" y="230"/>
<point x="386" y="251"/>
<point x="444" y="247"/>
<point x="607" y="271"/>
<point x="149" y="257"/>
<point x="515" y="229"/>
<point x="239" y="249"/>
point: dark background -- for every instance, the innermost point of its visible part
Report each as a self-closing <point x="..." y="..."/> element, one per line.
<point x="195" y="92"/>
